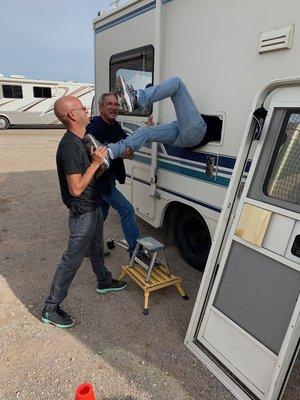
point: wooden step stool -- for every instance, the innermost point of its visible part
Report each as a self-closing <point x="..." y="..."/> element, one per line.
<point x="154" y="276"/>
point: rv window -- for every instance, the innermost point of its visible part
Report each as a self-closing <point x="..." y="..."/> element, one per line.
<point x="136" y="66"/>
<point x="42" y="92"/>
<point x="283" y="179"/>
<point x="12" y="92"/>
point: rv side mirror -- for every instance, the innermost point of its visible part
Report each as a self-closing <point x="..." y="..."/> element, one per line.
<point x="259" y="115"/>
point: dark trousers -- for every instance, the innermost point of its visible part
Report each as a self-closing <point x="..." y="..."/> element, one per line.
<point x="86" y="235"/>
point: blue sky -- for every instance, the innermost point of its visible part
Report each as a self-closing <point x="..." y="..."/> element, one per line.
<point x="49" y="39"/>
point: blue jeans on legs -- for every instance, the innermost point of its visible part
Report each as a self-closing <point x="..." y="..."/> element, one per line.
<point x="126" y="212"/>
<point x="86" y="232"/>
<point x="187" y="131"/>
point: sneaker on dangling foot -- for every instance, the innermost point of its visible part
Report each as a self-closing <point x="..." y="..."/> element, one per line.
<point x="114" y="286"/>
<point x="127" y="94"/>
<point x="57" y="317"/>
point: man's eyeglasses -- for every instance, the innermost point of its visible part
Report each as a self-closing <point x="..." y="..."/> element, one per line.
<point x="79" y="108"/>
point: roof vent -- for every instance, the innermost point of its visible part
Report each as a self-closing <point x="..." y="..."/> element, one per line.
<point x="114" y="3"/>
<point x="17" y="76"/>
<point x="277" y="39"/>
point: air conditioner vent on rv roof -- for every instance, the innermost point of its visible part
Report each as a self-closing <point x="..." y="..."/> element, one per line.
<point x="277" y="39"/>
<point x="17" y="76"/>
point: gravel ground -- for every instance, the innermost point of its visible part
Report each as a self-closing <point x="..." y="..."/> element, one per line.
<point x="124" y="354"/>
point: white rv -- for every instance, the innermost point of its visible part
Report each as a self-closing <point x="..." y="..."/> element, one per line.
<point x="29" y="102"/>
<point x="225" y="52"/>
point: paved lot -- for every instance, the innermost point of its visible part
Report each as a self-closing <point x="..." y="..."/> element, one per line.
<point x="124" y="354"/>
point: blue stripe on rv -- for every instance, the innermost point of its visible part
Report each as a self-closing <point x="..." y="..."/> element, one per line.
<point x="128" y="16"/>
<point x="184" y="162"/>
<point x="191" y="199"/>
<point x="182" y="170"/>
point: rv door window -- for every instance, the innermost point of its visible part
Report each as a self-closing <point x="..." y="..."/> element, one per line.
<point x="12" y="91"/>
<point x="136" y="66"/>
<point x="42" y="92"/>
<point x="284" y="176"/>
<point x="277" y="177"/>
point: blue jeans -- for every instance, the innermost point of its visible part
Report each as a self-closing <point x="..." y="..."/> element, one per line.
<point x="187" y="131"/>
<point x="126" y="212"/>
<point x="86" y="233"/>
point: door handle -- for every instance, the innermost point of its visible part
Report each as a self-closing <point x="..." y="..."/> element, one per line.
<point x="210" y="166"/>
<point x="295" y="250"/>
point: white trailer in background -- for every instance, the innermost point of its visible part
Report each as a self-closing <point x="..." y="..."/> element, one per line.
<point x="29" y="102"/>
<point x="225" y="52"/>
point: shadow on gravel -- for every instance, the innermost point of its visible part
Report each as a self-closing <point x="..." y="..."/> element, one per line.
<point x="147" y="351"/>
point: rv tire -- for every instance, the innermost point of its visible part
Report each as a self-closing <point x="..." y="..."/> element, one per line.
<point x="192" y="238"/>
<point x="4" y="122"/>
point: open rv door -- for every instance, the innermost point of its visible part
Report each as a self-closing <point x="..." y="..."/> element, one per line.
<point x="246" y="321"/>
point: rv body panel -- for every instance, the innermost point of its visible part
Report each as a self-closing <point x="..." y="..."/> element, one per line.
<point x="215" y="48"/>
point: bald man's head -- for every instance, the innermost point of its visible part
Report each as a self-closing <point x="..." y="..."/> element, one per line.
<point x="63" y="105"/>
<point x="69" y="110"/>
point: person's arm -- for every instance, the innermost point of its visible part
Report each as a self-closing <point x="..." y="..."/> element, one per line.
<point x="78" y="182"/>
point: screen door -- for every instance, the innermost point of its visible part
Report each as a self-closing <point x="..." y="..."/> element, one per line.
<point x="249" y="324"/>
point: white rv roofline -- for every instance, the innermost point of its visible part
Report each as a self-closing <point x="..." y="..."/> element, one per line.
<point x="41" y="81"/>
<point x="114" y="11"/>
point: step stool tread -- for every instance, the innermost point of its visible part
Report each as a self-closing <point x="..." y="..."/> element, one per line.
<point x="150" y="244"/>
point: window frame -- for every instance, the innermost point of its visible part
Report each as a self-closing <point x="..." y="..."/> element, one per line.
<point x="267" y="159"/>
<point x="42" y="88"/>
<point x="13" y="88"/>
<point x="129" y="55"/>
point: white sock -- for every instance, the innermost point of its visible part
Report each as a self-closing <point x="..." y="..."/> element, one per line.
<point x="110" y="153"/>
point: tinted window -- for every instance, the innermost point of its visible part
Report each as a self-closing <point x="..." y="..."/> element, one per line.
<point x="136" y="66"/>
<point x="42" y="92"/>
<point x="12" y="91"/>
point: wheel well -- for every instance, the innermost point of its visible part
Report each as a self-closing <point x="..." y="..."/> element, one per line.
<point x="5" y="117"/>
<point x="186" y="227"/>
<point x="170" y="215"/>
<point x="171" y="212"/>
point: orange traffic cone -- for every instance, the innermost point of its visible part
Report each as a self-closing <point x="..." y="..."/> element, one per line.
<point x="85" y="391"/>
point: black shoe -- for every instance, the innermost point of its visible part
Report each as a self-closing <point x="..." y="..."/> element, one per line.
<point x="114" y="286"/>
<point x="57" y="317"/>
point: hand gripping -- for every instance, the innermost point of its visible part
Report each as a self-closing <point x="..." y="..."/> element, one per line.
<point x="91" y="144"/>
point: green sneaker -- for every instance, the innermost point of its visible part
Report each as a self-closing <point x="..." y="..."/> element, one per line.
<point x="57" y="317"/>
<point x="114" y="286"/>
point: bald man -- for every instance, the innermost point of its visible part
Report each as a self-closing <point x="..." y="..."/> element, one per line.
<point x="76" y="173"/>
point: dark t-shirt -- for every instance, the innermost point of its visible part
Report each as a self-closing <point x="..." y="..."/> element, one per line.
<point x="108" y="133"/>
<point x="72" y="158"/>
